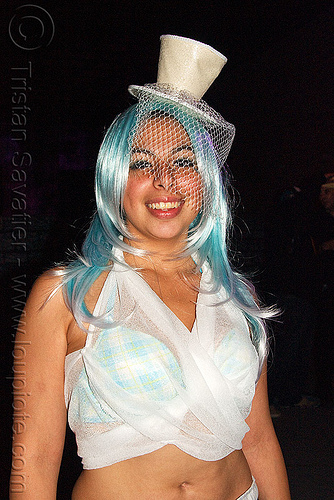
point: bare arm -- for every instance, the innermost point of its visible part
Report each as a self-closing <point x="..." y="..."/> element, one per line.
<point x="262" y="449"/>
<point x="39" y="410"/>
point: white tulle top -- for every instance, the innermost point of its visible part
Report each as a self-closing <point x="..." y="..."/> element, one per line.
<point x="149" y="381"/>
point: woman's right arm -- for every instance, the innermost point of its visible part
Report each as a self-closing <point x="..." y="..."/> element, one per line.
<point x="39" y="418"/>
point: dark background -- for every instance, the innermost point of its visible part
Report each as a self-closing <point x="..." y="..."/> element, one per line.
<point x="276" y="88"/>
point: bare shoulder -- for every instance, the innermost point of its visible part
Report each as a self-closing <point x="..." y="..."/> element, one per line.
<point x="48" y="318"/>
<point x="46" y="313"/>
<point x="47" y="289"/>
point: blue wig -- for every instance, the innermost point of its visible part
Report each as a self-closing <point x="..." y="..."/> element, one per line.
<point x="208" y="234"/>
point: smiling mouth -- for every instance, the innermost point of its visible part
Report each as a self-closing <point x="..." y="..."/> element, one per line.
<point x="162" y="205"/>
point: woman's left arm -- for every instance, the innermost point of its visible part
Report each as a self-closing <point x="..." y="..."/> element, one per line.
<point x="262" y="450"/>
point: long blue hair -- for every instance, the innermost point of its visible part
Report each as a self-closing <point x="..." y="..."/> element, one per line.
<point x="208" y="237"/>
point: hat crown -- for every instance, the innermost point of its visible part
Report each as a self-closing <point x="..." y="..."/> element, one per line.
<point x="188" y="65"/>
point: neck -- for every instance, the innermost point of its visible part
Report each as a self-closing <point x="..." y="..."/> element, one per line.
<point x="163" y="258"/>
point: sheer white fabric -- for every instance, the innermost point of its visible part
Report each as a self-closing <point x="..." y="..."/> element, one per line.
<point x="149" y="381"/>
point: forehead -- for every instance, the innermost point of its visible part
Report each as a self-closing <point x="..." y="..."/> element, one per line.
<point x="161" y="131"/>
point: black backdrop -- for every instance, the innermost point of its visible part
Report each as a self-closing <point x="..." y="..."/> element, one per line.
<point x="276" y="87"/>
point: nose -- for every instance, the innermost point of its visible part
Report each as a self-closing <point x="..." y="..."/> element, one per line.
<point x="164" y="177"/>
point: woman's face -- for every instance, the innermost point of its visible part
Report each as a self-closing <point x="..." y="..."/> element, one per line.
<point x="164" y="189"/>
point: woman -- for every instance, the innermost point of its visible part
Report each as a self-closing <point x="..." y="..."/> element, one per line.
<point x="163" y="344"/>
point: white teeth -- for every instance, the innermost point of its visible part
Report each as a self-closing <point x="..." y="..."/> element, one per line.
<point x="164" y="205"/>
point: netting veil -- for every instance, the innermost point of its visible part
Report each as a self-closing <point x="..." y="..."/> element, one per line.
<point x="181" y="142"/>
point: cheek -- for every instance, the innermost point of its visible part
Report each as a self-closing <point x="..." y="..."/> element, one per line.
<point x="133" y="187"/>
<point x="192" y="188"/>
<point x="129" y="195"/>
<point x="134" y="191"/>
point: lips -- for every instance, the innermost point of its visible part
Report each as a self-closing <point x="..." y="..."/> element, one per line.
<point x="165" y="209"/>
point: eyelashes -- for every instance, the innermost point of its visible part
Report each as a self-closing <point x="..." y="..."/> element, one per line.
<point x="141" y="165"/>
<point x="186" y="163"/>
<point x="180" y="163"/>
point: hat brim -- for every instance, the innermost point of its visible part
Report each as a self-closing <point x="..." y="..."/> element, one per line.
<point x="195" y="106"/>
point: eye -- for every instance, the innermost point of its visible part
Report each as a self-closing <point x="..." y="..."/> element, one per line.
<point x="188" y="163"/>
<point x="140" y="165"/>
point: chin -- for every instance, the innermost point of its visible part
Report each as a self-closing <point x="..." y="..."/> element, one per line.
<point x="165" y="234"/>
<point x="168" y="235"/>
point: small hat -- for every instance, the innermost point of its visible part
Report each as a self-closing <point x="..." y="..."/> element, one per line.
<point x="186" y="70"/>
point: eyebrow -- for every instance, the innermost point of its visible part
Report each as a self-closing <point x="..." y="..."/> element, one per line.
<point x="142" y="150"/>
<point x="175" y="150"/>
<point x="181" y="148"/>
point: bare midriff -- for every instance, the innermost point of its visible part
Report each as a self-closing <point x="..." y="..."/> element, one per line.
<point x="166" y="474"/>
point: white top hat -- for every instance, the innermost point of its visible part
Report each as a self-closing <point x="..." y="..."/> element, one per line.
<point x="188" y="65"/>
<point x="186" y="70"/>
